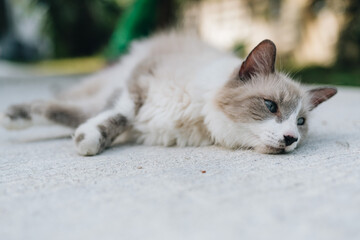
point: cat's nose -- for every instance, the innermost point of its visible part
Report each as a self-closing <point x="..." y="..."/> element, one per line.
<point x="289" y="140"/>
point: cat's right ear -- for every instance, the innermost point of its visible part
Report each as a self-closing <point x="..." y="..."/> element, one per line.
<point x="319" y="95"/>
<point x="261" y="60"/>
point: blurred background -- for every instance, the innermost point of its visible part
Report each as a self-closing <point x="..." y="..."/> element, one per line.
<point x="317" y="40"/>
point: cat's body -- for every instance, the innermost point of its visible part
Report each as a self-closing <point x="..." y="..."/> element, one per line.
<point x="173" y="89"/>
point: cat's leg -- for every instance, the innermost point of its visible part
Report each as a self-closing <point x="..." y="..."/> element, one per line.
<point x="99" y="132"/>
<point x="22" y="116"/>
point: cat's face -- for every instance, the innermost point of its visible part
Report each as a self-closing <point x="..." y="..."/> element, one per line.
<point x="270" y="107"/>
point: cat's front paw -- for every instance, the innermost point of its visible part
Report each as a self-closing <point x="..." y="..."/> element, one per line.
<point x="88" y="141"/>
<point x="16" y="117"/>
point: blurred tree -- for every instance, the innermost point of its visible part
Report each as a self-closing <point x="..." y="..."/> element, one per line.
<point x="80" y="27"/>
<point x="349" y="42"/>
<point x="4" y="19"/>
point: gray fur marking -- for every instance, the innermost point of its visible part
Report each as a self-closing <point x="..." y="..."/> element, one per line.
<point x="20" y="111"/>
<point x="80" y="138"/>
<point x="110" y="129"/>
<point x="138" y="89"/>
<point x="68" y="116"/>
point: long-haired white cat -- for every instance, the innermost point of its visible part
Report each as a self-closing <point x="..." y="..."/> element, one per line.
<point x="173" y="89"/>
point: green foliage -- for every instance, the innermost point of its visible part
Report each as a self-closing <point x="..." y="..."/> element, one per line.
<point x="240" y="50"/>
<point x="333" y="76"/>
<point x="141" y="19"/>
<point x="349" y="43"/>
<point x="137" y="21"/>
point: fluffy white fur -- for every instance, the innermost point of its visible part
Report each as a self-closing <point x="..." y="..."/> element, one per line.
<point x="182" y="89"/>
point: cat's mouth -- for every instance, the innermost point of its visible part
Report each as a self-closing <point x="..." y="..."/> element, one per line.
<point x="268" y="149"/>
<point x="274" y="150"/>
<point x="280" y="150"/>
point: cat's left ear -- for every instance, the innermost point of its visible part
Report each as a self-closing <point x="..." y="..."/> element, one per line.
<point x="319" y="95"/>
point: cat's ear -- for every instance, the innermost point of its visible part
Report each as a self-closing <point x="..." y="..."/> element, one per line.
<point x="261" y="60"/>
<point x="319" y="95"/>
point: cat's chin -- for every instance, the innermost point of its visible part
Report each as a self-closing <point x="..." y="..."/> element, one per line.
<point x="266" y="149"/>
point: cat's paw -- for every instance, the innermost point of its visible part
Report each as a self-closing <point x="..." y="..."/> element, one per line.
<point x="88" y="141"/>
<point x="16" y="117"/>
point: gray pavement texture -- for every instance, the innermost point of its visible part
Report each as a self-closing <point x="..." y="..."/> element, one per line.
<point x="47" y="191"/>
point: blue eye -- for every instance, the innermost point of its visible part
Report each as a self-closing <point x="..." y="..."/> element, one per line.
<point x="271" y="106"/>
<point x="300" y="121"/>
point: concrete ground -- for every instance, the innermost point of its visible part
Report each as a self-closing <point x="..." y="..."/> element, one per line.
<point x="47" y="191"/>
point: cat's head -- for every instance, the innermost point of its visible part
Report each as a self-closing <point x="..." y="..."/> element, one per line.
<point x="269" y="108"/>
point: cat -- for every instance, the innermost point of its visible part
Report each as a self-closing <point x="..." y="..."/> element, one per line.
<point x="174" y="90"/>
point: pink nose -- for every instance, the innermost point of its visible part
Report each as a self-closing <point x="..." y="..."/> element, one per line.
<point x="289" y="140"/>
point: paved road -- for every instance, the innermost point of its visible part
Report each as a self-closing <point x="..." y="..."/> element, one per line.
<point x="138" y="192"/>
